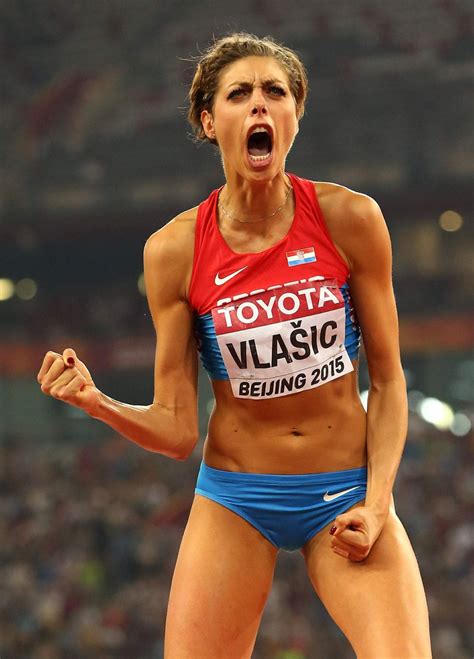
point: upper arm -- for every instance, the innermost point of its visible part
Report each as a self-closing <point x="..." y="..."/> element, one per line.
<point x="167" y="264"/>
<point x="368" y="250"/>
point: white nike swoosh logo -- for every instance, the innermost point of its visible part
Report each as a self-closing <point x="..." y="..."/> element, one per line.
<point x="330" y="497"/>
<point x="222" y="280"/>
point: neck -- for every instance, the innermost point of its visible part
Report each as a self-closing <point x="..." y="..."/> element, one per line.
<point x="254" y="201"/>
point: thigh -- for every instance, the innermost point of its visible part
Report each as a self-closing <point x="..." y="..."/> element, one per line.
<point x="379" y="603"/>
<point x="221" y="582"/>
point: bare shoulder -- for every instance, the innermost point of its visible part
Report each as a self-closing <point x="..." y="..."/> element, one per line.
<point x="169" y="251"/>
<point x="353" y="219"/>
<point x="341" y="204"/>
<point x="175" y="237"/>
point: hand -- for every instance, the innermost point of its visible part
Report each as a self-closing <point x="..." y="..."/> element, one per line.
<point x="355" y="532"/>
<point x="66" y="378"/>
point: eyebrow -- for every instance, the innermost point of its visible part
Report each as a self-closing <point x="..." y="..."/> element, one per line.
<point x="246" y="83"/>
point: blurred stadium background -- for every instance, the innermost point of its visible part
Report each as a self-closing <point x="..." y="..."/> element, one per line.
<point x="95" y="156"/>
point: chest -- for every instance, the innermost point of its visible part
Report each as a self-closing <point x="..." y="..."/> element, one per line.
<point x="246" y="238"/>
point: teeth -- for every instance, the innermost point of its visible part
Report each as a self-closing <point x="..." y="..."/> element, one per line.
<point x="259" y="129"/>
<point x="258" y="158"/>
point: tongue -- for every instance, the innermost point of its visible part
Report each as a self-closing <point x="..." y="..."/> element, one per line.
<point x="259" y="151"/>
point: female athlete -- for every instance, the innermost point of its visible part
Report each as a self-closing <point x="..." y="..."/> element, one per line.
<point x="271" y="279"/>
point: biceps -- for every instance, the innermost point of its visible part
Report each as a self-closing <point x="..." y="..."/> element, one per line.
<point x="176" y="356"/>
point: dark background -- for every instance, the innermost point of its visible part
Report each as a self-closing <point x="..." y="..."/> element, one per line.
<point x="95" y="156"/>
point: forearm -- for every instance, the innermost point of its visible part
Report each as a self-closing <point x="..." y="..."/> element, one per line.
<point x="171" y="432"/>
<point x="387" y="418"/>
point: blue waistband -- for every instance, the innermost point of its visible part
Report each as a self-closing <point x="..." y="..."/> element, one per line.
<point x="324" y="478"/>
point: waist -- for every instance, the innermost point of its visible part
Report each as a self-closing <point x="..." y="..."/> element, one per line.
<point x="298" y="436"/>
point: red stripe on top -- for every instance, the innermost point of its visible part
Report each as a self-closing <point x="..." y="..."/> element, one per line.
<point x="213" y="256"/>
<point x="278" y="306"/>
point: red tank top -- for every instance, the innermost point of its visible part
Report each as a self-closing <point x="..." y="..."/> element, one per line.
<point x="277" y="317"/>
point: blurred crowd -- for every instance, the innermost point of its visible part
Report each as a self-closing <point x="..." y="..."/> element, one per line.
<point x="114" y="311"/>
<point x="91" y="533"/>
<point x="93" y="97"/>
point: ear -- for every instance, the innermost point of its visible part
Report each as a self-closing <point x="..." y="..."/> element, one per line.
<point x="207" y="122"/>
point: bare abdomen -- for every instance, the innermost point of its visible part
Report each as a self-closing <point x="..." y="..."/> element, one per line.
<point x="323" y="429"/>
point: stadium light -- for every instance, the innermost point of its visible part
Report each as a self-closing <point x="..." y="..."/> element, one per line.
<point x="26" y="289"/>
<point x="460" y="425"/>
<point x="436" y="412"/>
<point x="7" y="289"/>
<point x="450" y="221"/>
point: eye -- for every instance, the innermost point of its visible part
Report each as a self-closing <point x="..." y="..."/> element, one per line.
<point x="277" y="90"/>
<point x="235" y="93"/>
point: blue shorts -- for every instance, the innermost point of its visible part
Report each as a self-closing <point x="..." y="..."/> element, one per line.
<point x="288" y="509"/>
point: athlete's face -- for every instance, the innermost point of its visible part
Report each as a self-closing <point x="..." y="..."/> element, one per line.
<point x="253" y="94"/>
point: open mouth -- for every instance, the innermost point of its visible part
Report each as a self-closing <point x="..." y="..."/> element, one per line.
<point x="259" y="144"/>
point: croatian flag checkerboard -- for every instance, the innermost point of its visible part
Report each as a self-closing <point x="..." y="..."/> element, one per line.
<point x="300" y="256"/>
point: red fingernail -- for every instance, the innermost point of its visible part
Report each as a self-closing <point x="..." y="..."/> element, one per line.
<point x="333" y="530"/>
<point x="70" y="361"/>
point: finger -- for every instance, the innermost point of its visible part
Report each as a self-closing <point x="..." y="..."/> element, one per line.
<point x="349" y="519"/>
<point x="357" y="558"/>
<point x="350" y="557"/>
<point x="338" y="527"/>
<point x="341" y="552"/>
<point x="357" y="552"/>
<point x="74" y="387"/>
<point x="49" y="358"/>
<point x="70" y="357"/>
<point x="73" y="361"/>
<point x="352" y="539"/>
<point x="351" y="554"/>
<point x="82" y="368"/>
<point x="350" y="549"/>
<point x="62" y="380"/>
<point x="56" y="369"/>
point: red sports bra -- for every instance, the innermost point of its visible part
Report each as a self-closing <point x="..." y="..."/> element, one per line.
<point x="278" y="321"/>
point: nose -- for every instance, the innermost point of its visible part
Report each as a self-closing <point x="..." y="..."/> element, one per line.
<point x="259" y="106"/>
<point x="259" y="109"/>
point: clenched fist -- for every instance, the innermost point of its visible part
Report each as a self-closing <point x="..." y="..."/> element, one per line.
<point x="66" y="378"/>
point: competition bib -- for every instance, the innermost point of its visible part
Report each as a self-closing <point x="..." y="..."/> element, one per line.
<point x="283" y="340"/>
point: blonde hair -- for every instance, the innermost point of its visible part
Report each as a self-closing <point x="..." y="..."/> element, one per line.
<point x="229" y="49"/>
